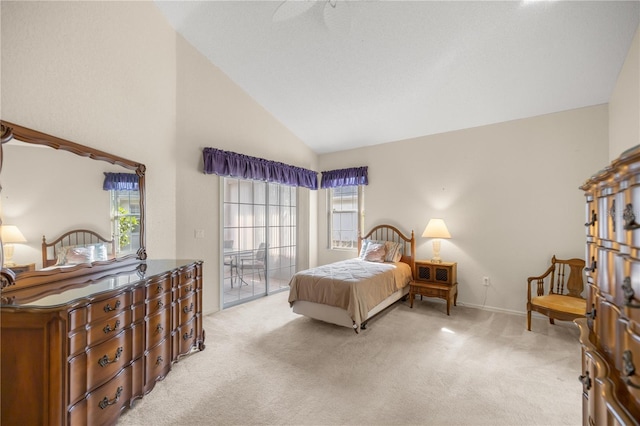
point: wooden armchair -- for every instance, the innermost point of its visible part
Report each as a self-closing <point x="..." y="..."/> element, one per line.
<point x="556" y="304"/>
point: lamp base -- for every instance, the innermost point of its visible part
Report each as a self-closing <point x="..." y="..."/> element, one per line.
<point x="436" y="251"/>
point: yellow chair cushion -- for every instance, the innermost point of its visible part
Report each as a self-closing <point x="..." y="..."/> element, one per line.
<point x="562" y="303"/>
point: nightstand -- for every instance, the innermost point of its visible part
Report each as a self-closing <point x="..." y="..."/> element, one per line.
<point x="435" y="280"/>
<point x="18" y="269"/>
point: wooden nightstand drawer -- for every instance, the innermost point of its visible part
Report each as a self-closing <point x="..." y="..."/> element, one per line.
<point x="427" y="291"/>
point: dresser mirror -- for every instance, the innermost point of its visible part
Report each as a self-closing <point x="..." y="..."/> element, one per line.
<point x="51" y="186"/>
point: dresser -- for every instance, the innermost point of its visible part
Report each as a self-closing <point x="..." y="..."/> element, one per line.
<point x="610" y="333"/>
<point x="79" y="351"/>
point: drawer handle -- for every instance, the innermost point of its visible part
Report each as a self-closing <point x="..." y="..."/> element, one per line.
<point x="105" y="401"/>
<point x="585" y="380"/>
<point x="189" y="275"/>
<point x="188" y="336"/>
<point x="594" y="219"/>
<point x="188" y="288"/>
<point x="628" y="369"/>
<point x="612" y="214"/>
<point x="159" y="288"/>
<point x="629" y="294"/>
<point x="594" y="265"/>
<point x="108" y="308"/>
<point x="159" y="328"/>
<point x="107" y="328"/>
<point x="104" y="361"/>
<point x="188" y="309"/>
<point x="159" y="361"/>
<point x="629" y="218"/>
<point x="160" y="304"/>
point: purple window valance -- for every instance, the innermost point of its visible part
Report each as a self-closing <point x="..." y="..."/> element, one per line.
<point x="345" y="177"/>
<point x="121" y="182"/>
<point x="227" y="163"/>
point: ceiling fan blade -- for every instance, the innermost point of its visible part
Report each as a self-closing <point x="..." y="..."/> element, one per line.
<point x="337" y="16"/>
<point x="290" y="9"/>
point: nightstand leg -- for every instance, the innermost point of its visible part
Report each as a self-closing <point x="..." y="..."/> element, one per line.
<point x="411" y="300"/>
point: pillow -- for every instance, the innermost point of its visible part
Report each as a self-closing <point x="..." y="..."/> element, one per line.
<point x="398" y="255"/>
<point x="101" y="252"/>
<point x="61" y="256"/>
<point x="76" y="255"/>
<point x="394" y="251"/>
<point x="363" y="248"/>
<point x="375" y="252"/>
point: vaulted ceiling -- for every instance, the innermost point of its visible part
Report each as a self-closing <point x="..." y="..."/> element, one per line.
<point x="345" y="74"/>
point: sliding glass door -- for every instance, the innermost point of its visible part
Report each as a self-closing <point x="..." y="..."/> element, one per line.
<point x="259" y="239"/>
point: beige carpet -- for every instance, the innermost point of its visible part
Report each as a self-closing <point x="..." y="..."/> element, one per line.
<point x="264" y="365"/>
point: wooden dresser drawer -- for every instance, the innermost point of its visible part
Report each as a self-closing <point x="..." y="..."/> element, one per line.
<point x="107" y="308"/>
<point x="103" y="406"/>
<point x="99" y="364"/>
<point x="187" y="308"/>
<point x="186" y="336"/>
<point x="187" y="275"/>
<point x="158" y="286"/>
<point x="630" y="360"/>
<point x="158" y="327"/>
<point x="157" y="363"/>
<point x="105" y="328"/>
<point x="159" y="303"/>
<point x="607" y="316"/>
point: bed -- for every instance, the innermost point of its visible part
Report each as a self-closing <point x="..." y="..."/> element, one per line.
<point x="76" y="247"/>
<point x="351" y="292"/>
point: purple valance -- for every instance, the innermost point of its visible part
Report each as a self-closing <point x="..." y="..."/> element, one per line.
<point x="345" y="177"/>
<point x="227" y="163"/>
<point x="121" y="182"/>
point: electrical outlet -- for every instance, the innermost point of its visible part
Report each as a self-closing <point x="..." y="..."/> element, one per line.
<point x="485" y="281"/>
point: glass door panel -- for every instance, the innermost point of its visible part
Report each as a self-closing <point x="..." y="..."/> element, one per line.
<point x="259" y="239"/>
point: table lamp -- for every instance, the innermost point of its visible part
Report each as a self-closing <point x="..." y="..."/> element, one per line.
<point x="436" y="229"/>
<point x="10" y="235"/>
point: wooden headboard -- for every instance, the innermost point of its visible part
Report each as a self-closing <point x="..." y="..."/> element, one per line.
<point x="391" y="233"/>
<point x="76" y="237"/>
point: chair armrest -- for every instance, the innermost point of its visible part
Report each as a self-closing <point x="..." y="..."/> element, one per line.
<point x="541" y="277"/>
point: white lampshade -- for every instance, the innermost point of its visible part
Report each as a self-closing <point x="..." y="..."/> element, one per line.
<point x="436" y="229"/>
<point x="10" y="235"/>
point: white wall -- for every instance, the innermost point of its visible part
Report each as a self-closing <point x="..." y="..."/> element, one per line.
<point x="508" y="193"/>
<point x="624" y="105"/>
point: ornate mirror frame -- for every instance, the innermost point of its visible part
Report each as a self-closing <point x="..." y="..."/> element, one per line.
<point x="10" y="131"/>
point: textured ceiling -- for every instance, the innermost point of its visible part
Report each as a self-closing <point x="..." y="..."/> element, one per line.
<point x="346" y="74"/>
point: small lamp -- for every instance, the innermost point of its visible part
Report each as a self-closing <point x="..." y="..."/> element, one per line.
<point x="436" y="229"/>
<point x="10" y="235"/>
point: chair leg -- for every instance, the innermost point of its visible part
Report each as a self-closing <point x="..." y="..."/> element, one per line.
<point x="529" y="320"/>
<point x="551" y="321"/>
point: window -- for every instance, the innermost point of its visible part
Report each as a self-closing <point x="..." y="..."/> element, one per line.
<point x="345" y="216"/>
<point x="125" y="220"/>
